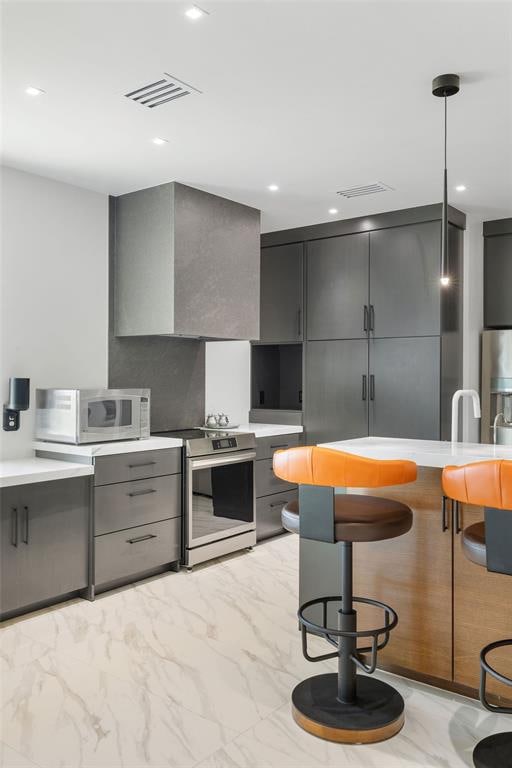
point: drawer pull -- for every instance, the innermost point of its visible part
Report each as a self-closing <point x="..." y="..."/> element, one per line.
<point x="281" y="445"/>
<point x="142" y="492"/>
<point x="278" y="503"/>
<point x="141" y="538"/>
<point x="141" y="464"/>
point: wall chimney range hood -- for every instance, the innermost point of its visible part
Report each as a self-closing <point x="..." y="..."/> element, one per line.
<point x="187" y="264"/>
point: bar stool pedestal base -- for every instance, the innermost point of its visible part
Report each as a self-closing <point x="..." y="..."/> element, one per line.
<point x="376" y="714"/>
<point x="494" y="752"/>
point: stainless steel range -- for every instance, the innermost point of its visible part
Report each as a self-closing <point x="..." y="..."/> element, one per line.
<point x="219" y="493"/>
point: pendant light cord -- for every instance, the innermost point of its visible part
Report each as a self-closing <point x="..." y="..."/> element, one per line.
<point x="445" y="126"/>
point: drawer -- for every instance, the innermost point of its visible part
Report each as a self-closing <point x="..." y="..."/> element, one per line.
<point x="266" y="481"/>
<point x="126" y="553"/>
<point x="123" y="505"/>
<point x="268" y="513"/>
<point x="265" y="446"/>
<point x="136" y="466"/>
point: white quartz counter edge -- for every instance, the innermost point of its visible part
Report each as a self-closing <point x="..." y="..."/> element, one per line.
<point x="426" y="453"/>
<point x="268" y="430"/>
<point x="35" y="470"/>
<point x="109" y="449"/>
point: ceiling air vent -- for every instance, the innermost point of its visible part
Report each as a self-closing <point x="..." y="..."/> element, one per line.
<point x="367" y="189"/>
<point x="167" y="88"/>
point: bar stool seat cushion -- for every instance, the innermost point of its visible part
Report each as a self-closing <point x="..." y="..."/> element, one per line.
<point x="359" y="518"/>
<point x="473" y="543"/>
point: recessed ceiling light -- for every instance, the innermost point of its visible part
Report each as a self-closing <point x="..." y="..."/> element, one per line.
<point x="34" y="91"/>
<point x="445" y="280"/>
<point x="272" y="187"/>
<point x="460" y="188"/>
<point x="159" y="141"/>
<point x="195" y="13"/>
<point x="333" y="210"/>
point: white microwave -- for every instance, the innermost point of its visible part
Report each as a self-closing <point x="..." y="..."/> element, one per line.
<point x="79" y="416"/>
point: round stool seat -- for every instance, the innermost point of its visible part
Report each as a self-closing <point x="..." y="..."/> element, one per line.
<point x="359" y="518"/>
<point x="473" y="543"/>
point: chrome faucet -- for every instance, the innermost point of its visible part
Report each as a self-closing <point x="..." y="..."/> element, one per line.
<point x="455" y="409"/>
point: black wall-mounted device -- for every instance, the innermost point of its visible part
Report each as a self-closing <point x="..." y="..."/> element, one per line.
<point x="19" y="400"/>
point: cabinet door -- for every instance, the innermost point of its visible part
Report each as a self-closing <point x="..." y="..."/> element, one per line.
<point x="405" y="280"/>
<point x="404" y="388"/>
<point x="497" y="281"/>
<point x="336" y="390"/>
<point x="54" y="533"/>
<point x="482" y="614"/>
<point x="10" y="548"/>
<point x="281" y="293"/>
<point x="337" y="287"/>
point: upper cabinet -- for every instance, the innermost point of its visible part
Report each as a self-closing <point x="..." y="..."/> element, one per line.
<point x="186" y="264"/>
<point x="404" y="281"/>
<point x="497" y="273"/>
<point x="281" y="315"/>
<point x="337" y="287"/>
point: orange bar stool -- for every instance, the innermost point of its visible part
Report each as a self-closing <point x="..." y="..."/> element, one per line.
<point x="345" y="707"/>
<point x="489" y="544"/>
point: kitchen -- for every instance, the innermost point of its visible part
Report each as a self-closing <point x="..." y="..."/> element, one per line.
<point x="277" y="296"/>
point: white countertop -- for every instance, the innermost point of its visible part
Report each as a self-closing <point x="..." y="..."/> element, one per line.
<point x="267" y="430"/>
<point x="426" y="453"/>
<point x="35" y="470"/>
<point x="91" y="450"/>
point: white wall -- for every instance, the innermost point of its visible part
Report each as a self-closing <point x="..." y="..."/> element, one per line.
<point x="228" y="371"/>
<point x="54" y="291"/>
<point x="473" y="319"/>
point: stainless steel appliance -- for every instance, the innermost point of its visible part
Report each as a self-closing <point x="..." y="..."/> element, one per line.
<point x="219" y="493"/>
<point x="497" y="387"/>
<point x="91" y="415"/>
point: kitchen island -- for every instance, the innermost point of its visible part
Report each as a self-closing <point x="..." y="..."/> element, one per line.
<point x="448" y="607"/>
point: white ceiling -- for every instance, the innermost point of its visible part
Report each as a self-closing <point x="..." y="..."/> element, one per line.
<point x="313" y="96"/>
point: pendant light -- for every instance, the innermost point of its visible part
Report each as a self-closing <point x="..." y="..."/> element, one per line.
<point x="445" y="86"/>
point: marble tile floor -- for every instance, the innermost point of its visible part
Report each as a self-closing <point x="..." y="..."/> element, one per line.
<point x="196" y="669"/>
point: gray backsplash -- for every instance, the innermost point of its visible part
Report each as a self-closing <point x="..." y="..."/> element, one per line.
<point x="174" y="369"/>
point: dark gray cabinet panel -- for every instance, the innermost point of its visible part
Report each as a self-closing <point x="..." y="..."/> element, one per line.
<point x="122" y="467"/>
<point x="266" y="446"/>
<point x="405" y="391"/>
<point x="125" y="553"/>
<point x="337" y="287"/>
<point x="404" y="280"/>
<point x="498" y="282"/>
<point x="266" y="481"/>
<point x="336" y="390"/>
<point x="268" y="513"/>
<point x="125" y="505"/>
<point x="281" y="293"/>
<point x="51" y="556"/>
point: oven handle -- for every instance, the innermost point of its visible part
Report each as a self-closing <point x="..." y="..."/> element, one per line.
<point x="204" y="462"/>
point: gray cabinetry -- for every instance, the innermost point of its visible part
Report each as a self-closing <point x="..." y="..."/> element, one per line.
<point x="337" y="390"/>
<point x="404" y="280"/>
<point x="137" y="515"/>
<point x="498" y="281"/>
<point x="271" y="492"/>
<point x="186" y="264"/>
<point x="281" y="313"/>
<point x="45" y="542"/>
<point x="337" y="287"/>
<point x="404" y="388"/>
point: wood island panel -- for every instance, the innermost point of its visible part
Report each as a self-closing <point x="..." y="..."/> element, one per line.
<point x="412" y="574"/>
<point x="482" y="614"/>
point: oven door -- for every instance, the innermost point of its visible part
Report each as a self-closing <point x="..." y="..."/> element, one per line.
<point x="109" y="417"/>
<point x="220" y="497"/>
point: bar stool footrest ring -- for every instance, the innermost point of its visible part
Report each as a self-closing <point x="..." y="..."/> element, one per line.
<point x="487" y="669"/>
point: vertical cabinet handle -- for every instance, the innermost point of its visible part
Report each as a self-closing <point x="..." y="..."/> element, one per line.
<point x="372" y="387"/>
<point x="14" y="526"/>
<point x="457" y="526"/>
<point x="364" y="392"/>
<point x="444" y="519"/>
<point x="372" y="317"/>
<point x="365" y="318"/>
<point x="299" y="323"/>
<point x="25" y="534"/>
